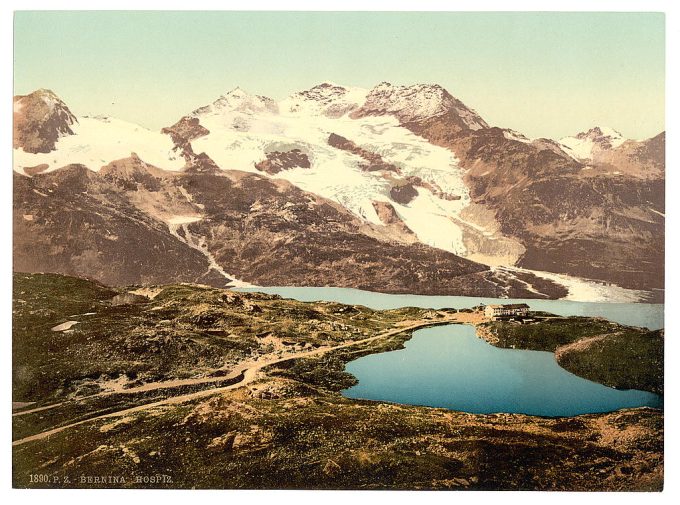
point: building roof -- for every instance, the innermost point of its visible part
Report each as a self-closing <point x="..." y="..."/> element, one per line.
<point x="510" y="306"/>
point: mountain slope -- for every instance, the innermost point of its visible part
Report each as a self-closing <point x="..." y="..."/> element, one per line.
<point x="640" y="159"/>
<point x="600" y="224"/>
<point x="134" y="223"/>
<point x="48" y="136"/>
<point x="405" y="165"/>
<point x="585" y="146"/>
<point x="40" y="119"/>
<point x="378" y="162"/>
<point x="76" y="222"/>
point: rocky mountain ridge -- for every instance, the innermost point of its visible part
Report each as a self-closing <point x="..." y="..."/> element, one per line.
<point x="134" y="223"/>
<point x="416" y="163"/>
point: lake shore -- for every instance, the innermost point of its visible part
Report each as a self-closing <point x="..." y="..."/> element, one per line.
<point x="288" y="426"/>
<point x="612" y="354"/>
<point x="451" y="367"/>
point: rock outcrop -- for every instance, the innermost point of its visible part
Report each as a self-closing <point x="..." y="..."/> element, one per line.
<point x="40" y="118"/>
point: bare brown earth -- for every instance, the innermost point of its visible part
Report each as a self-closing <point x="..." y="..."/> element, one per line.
<point x="389" y="217"/>
<point x="183" y="132"/>
<point x="403" y="193"/>
<point x="373" y="161"/>
<point x="277" y="161"/>
<point x="277" y="421"/>
<point x="604" y="223"/>
<point x="116" y="226"/>
<point x="553" y="213"/>
<point x="643" y="159"/>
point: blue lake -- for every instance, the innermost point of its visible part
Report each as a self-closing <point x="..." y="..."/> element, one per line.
<point x="450" y="367"/>
<point x="648" y="315"/>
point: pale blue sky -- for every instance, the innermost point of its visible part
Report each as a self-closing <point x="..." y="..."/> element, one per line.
<point x="544" y="74"/>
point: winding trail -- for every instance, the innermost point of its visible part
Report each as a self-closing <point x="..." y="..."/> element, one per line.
<point x="246" y="373"/>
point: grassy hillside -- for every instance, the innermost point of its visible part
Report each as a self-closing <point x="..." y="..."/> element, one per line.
<point x="288" y="426"/>
<point x="628" y="359"/>
<point x="599" y="350"/>
<point x="184" y="331"/>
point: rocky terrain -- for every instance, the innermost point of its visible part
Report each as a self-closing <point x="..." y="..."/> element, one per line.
<point x="40" y="118"/>
<point x="569" y="217"/>
<point x="135" y="223"/>
<point x="184" y="386"/>
<point x="277" y="161"/>
<point x="590" y="206"/>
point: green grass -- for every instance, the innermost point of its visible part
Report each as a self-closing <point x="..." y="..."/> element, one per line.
<point x="625" y="358"/>
<point x="630" y="359"/>
<point x="183" y="332"/>
<point x="550" y="334"/>
<point x="302" y="433"/>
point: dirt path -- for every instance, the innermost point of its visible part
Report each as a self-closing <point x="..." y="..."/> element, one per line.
<point x="235" y="372"/>
<point x="248" y="372"/>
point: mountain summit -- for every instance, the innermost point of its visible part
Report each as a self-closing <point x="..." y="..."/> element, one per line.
<point x="408" y="171"/>
<point x="327" y="98"/>
<point x="39" y="120"/>
<point x="416" y="103"/>
<point x="239" y="100"/>
<point x="584" y="146"/>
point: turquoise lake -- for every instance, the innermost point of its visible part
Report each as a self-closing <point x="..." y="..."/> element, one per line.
<point x="450" y="367"/>
<point x="648" y="315"/>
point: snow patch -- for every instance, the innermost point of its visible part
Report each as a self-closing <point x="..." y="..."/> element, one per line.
<point x="589" y="290"/>
<point x="326" y="98"/>
<point x="174" y="220"/>
<point x="199" y="244"/>
<point x="64" y="326"/>
<point x="337" y="174"/>
<point x="513" y="135"/>
<point x="585" y="145"/>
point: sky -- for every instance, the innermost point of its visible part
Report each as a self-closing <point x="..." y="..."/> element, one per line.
<point x="542" y="74"/>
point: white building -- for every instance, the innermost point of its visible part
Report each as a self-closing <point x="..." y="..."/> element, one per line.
<point x="514" y="309"/>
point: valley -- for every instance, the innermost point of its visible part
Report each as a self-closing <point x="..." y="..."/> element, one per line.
<point x="339" y="250"/>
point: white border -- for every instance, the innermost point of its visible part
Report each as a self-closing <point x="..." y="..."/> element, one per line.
<point x="672" y="251"/>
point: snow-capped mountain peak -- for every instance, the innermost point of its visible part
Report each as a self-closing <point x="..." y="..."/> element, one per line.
<point x="238" y="100"/>
<point x="328" y="98"/>
<point x="584" y="145"/>
<point x="51" y="100"/>
<point x="48" y="136"/>
<point x="40" y="119"/>
<point x="418" y="102"/>
<point x="600" y="134"/>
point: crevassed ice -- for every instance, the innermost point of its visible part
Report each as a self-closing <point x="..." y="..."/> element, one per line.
<point x="238" y="141"/>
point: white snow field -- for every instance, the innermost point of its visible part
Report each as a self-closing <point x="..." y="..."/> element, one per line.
<point x="100" y="140"/>
<point x="243" y="129"/>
